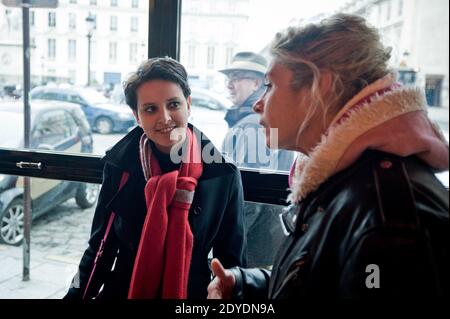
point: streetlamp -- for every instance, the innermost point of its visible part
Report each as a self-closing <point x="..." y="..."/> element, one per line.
<point x="90" y="23"/>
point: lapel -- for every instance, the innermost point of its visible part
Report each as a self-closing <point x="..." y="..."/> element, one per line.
<point x="129" y="202"/>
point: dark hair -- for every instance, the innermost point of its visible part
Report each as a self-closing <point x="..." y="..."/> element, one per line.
<point x="155" y="69"/>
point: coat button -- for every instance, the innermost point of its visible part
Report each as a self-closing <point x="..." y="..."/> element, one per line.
<point x="304" y="227"/>
<point x="197" y="210"/>
<point x="386" y="164"/>
<point x="320" y="209"/>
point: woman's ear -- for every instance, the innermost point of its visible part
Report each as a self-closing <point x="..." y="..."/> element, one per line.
<point x="326" y="90"/>
<point x="189" y="101"/>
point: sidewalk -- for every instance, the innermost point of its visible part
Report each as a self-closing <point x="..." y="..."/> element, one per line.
<point x="58" y="241"/>
<point x="50" y="275"/>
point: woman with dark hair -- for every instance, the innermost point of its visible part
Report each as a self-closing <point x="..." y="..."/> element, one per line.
<point x="163" y="205"/>
<point x="367" y="216"/>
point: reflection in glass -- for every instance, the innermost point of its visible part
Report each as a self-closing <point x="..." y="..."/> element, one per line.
<point x="46" y="195"/>
<point x="264" y="233"/>
<point x="420" y="56"/>
<point x="62" y="214"/>
<point x="59" y="59"/>
<point x="54" y="126"/>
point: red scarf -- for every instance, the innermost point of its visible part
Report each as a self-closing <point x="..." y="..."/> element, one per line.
<point x="161" y="268"/>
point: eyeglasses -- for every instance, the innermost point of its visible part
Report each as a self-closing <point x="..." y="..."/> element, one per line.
<point x="232" y="80"/>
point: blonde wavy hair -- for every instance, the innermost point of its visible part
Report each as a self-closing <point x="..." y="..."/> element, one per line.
<point x="343" y="45"/>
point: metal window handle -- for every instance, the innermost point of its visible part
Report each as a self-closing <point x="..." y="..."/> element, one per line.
<point x="29" y="165"/>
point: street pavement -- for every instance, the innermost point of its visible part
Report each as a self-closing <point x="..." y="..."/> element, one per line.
<point x="58" y="241"/>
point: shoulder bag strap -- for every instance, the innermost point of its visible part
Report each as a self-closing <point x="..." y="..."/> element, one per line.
<point x="123" y="180"/>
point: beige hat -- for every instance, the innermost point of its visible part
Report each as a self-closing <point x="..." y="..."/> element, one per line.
<point x="247" y="61"/>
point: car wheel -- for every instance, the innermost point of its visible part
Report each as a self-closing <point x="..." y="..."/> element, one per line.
<point x="86" y="195"/>
<point x="11" y="223"/>
<point x="104" y="125"/>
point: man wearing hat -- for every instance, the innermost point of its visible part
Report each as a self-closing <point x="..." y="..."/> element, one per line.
<point x="244" y="144"/>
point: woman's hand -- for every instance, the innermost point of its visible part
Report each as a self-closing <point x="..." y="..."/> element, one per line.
<point x="223" y="284"/>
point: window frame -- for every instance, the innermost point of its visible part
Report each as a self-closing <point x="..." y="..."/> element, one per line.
<point x="51" y="48"/>
<point x="51" y="22"/>
<point x="72" y="21"/>
<point x="71" y="50"/>
<point x="164" y="39"/>
<point x="113" y="23"/>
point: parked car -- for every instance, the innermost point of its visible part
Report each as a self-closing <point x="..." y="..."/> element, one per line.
<point x="10" y="91"/>
<point x="55" y="126"/>
<point x="103" y="116"/>
<point x="207" y="113"/>
<point x="210" y="100"/>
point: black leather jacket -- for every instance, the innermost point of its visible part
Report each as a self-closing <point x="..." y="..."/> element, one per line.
<point x="379" y="228"/>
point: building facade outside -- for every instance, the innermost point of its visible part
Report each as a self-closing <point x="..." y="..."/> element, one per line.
<point x="211" y="35"/>
<point x="418" y="31"/>
<point x="212" y="32"/>
<point x="59" y="44"/>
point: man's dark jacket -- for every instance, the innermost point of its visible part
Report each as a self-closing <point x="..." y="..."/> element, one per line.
<point x="215" y="217"/>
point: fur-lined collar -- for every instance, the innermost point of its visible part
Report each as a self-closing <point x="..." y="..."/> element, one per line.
<point x="394" y="122"/>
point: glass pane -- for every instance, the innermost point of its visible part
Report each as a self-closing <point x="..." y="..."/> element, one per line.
<point x="62" y="214"/>
<point x="214" y="31"/>
<point x="264" y="233"/>
<point x="79" y="58"/>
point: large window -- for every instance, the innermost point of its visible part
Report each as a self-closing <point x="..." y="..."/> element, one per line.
<point x="69" y="141"/>
<point x="250" y="26"/>
<point x="62" y="134"/>
<point x="57" y="243"/>
<point x="247" y="28"/>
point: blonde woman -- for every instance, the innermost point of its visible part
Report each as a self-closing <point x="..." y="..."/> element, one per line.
<point x="367" y="215"/>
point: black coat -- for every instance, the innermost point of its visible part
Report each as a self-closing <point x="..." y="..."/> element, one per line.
<point x="367" y="225"/>
<point x="215" y="217"/>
